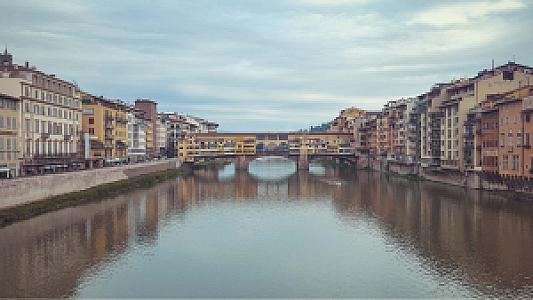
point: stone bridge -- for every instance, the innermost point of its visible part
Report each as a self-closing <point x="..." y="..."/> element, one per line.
<point x="244" y="147"/>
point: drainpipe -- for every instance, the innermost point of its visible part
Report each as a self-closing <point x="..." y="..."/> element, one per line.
<point x="523" y="140"/>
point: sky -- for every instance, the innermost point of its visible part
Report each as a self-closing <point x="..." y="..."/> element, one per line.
<point x="265" y="65"/>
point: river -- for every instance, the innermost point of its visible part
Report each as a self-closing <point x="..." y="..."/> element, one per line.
<point x="274" y="232"/>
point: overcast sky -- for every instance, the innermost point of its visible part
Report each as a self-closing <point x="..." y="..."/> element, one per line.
<point x="269" y="64"/>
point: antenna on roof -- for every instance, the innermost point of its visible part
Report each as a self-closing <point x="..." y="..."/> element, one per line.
<point x="514" y="58"/>
<point x="5" y="49"/>
<point x="493" y="64"/>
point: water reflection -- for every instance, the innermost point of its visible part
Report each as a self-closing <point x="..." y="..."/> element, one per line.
<point x="272" y="168"/>
<point x="233" y="233"/>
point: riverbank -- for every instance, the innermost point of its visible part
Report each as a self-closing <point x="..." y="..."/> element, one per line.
<point x="97" y="193"/>
<point x="24" y="190"/>
<point x="512" y="187"/>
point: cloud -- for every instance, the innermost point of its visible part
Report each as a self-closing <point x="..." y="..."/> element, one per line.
<point x="464" y="13"/>
<point x="285" y="64"/>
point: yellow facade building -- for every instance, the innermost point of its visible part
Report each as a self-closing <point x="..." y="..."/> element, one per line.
<point x="105" y="129"/>
<point x="10" y="136"/>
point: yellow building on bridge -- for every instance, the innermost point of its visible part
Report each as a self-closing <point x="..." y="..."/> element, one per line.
<point x="193" y="147"/>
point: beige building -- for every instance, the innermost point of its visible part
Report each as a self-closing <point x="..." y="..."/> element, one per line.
<point x="50" y="116"/>
<point x="10" y="153"/>
<point x="161" y="136"/>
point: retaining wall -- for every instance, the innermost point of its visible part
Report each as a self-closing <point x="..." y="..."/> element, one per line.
<point x="468" y="179"/>
<point x="27" y="189"/>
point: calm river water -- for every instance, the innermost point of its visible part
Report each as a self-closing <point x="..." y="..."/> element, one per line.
<point x="275" y="232"/>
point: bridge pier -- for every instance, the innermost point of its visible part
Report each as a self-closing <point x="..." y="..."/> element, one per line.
<point x="241" y="162"/>
<point x="303" y="162"/>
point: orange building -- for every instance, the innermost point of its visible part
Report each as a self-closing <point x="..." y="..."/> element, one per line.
<point x="489" y="137"/>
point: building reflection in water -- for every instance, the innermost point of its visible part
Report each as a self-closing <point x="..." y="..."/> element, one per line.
<point x="482" y="238"/>
<point x="487" y="240"/>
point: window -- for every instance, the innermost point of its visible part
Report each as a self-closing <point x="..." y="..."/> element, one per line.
<point x="91" y="121"/>
<point x="508" y="75"/>
<point x="505" y="163"/>
<point x="91" y="131"/>
<point x="516" y="162"/>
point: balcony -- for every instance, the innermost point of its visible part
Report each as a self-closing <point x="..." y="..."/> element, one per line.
<point x="53" y="158"/>
<point x="68" y="137"/>
<point x="45" y="136"/>
<point x="95" y="145"/>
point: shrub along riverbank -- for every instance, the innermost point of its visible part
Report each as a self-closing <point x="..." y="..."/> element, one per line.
<point x="97" y="193"/>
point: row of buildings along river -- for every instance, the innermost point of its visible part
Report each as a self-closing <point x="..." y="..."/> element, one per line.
<point x="481" y="124"/>
<point x="49" y="124"/>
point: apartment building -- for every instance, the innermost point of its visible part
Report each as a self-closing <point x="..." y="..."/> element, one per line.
<point x="415" y="107"/>
<point x="398" y="114"/>
<point x="199" y="125"/>
<point x="510" y="136"/>
<point x="178" y="126"/>
<point x="50" y="116"/>
<point x="174" y="131"/>
<point x="489" y="136"/>
<point x="105" y="123"/>
<point x="150" y="110"/>
<point x="430" y="125"/>
<point x="136" y="135"/>
<point x="464" y="96"/>
<point x="505" y="130"/>
<point x="161" y="136"/>
<point x="344" y="122"/>
<point x="454" y="110"/>
<point x="10" y="136"/>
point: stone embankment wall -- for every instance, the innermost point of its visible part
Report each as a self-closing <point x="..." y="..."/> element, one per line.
<point x="473" y="180"/>
<point x="28" y="189"/>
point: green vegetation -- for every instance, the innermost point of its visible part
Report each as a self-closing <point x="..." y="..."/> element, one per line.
<point x="97" y="193"/>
